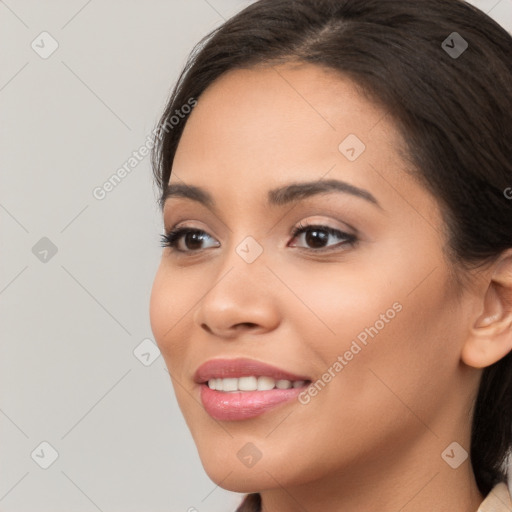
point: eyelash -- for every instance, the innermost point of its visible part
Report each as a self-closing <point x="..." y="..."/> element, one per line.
<point x="172" y="238"/>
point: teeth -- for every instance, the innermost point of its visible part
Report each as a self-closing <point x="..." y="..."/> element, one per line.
<point x="247" y="383"/>
<point x="283" y="384"/>
<point x="230" y="384"/>
<point x="266" y="383"/>
<point x="252" y="383"/>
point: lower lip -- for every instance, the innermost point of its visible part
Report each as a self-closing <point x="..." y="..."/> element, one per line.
<point x="242" y="405"/>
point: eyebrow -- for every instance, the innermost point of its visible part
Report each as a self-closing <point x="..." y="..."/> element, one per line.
<point x="276" y="197"/>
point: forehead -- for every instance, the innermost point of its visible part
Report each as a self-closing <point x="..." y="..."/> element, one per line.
<point x="255" y="129"/>
<point x="284" y="110"/>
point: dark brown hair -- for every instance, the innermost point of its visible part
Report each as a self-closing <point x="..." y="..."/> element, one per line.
<point x="453" y="111"/>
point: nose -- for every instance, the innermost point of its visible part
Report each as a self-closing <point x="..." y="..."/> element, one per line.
<point x="238" y="299"/>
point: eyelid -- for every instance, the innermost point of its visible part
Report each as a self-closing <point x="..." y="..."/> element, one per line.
<point x="184" y="225"/>
<point x="302" y="223"/>
<point x="319" y="220"/>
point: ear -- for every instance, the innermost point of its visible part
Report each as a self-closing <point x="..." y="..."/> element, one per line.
<point x="490" y="338"/>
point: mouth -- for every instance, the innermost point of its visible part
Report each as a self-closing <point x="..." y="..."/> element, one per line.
<point x="238" y="389"/>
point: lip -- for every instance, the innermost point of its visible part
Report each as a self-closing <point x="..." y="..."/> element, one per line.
<point x="241" y="405"/>
<point x="241" y="367"/>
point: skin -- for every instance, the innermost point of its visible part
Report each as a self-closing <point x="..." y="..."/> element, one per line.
<point x="372" y="438"/>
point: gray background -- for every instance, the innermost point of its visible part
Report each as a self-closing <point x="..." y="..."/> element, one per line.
<point x="71" y="321"/>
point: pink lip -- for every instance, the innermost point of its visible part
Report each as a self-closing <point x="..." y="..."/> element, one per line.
<point x="241" y="367"/>
<point x="241" y="405"/>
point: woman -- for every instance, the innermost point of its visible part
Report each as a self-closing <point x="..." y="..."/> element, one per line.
<point x="369" y="369"/>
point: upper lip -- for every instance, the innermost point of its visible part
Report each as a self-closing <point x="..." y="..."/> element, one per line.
<point x="241" y="367"/>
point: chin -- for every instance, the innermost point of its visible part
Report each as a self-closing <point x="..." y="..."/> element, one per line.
<point x="239" y="479"/>
<point x="225" y="469"/>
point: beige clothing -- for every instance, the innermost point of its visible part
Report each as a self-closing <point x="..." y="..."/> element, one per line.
<point x="498" y="500"/>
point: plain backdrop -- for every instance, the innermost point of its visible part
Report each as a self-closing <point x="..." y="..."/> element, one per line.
<point x="88" y="417"/>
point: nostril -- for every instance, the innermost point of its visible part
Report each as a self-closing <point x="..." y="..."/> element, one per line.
<point x="249" y="324"/>
<point x="206" y="328"/>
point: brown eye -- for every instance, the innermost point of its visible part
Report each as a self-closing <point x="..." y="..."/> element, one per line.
<point x="317" y="236"/>
<point x="193" y="238"/>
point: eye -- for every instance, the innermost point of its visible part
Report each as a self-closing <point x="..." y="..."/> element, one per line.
<point x="315" y="235"/>
<point x="191" y="237"/>
<point x="318" y="236"/>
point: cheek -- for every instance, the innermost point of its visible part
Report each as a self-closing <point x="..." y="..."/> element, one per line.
<point x="159" y="307"/>
<point x="169" y="302"/>
<point x="396" y="340"/>
<point x="335" y="304"/>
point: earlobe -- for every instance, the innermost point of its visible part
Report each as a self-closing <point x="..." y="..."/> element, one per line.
<point x="490" y="337"/>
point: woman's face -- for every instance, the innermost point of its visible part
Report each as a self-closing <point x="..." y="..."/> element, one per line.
<point x="368" y="312"/>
